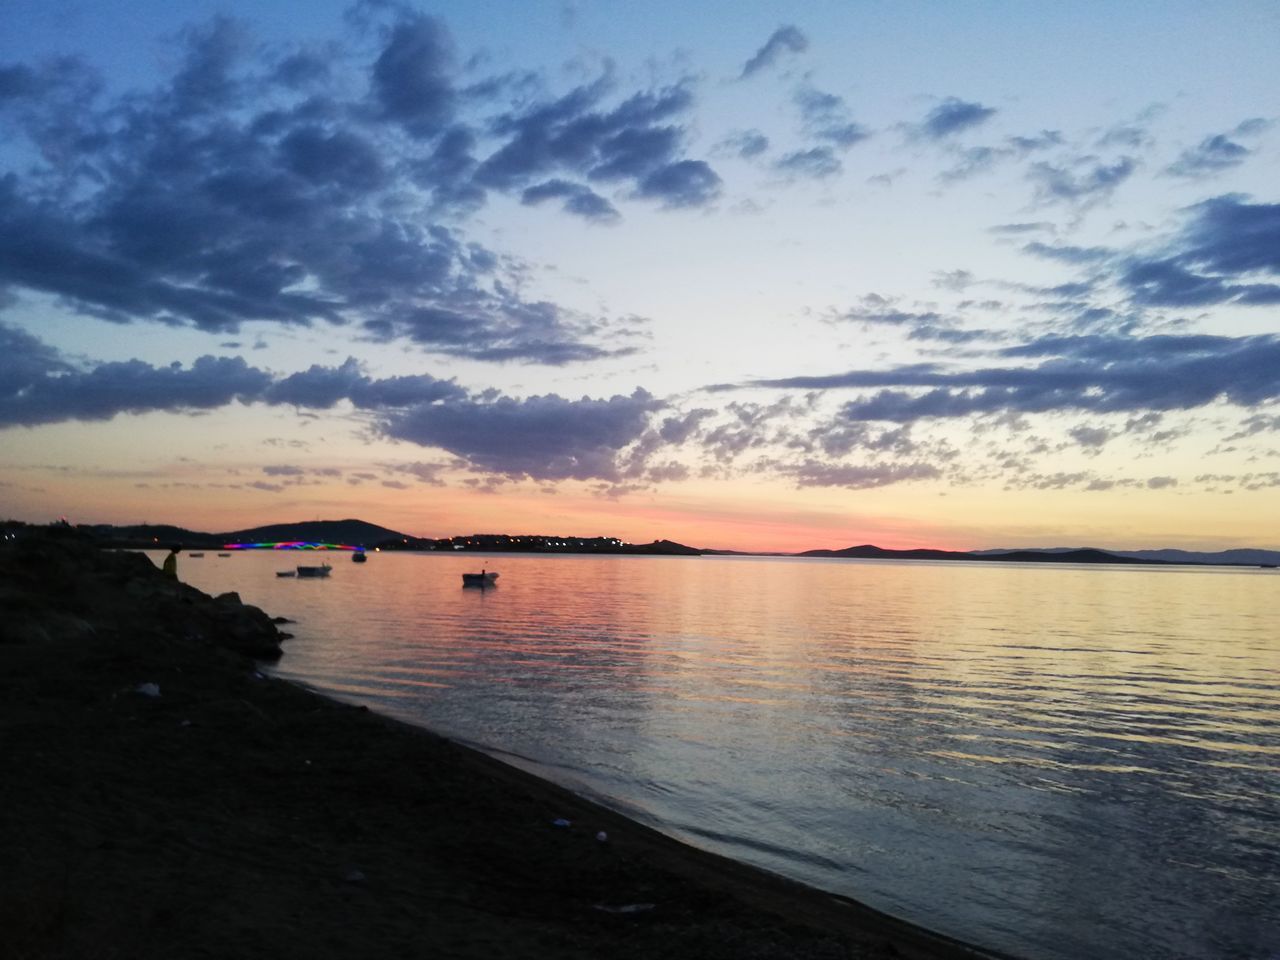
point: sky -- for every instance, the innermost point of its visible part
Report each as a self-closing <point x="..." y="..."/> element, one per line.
<point x="743" y="275"/>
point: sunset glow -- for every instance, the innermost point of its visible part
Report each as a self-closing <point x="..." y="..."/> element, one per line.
<point x="758" y="278"/>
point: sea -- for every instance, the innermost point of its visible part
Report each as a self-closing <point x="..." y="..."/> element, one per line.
<point x="1049" y="760"/>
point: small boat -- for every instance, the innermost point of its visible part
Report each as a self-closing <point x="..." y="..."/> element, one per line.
<point x="482" y="579"/>
<point x="359" y="557"/>
<point x="224" y="554"/>
<point x="286" y="573"/>
<point x="320" y="571"/>
<point x="195" y="554"/>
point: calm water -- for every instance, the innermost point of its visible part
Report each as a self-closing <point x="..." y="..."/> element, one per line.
<point x="1054" y="761"/>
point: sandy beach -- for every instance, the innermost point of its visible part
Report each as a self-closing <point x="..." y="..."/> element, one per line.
<point x="164" y="798"/>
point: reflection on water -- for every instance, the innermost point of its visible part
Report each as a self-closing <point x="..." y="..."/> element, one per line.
<point x="1055" y="761"/>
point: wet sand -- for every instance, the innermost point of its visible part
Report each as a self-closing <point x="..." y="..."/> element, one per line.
<point x="237" y="815"/>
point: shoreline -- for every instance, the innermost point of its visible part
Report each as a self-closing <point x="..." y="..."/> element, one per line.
<point x="233" y="813"/>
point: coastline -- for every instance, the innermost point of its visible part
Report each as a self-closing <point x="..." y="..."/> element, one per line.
<point x="235" y="814"/>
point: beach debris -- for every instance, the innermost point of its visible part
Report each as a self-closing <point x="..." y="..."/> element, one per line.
<point x="624" y="908"/>
<point x="561" y="822"/>
<point x="148" y="689"/>
<point x="602" y="836"/>
<point x="354" y="876"/>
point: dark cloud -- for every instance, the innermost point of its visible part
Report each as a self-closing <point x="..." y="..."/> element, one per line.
<point x="1085" y="182"/>
<point x="1130" y="135"/>
<point x="746" y="144"/>
<point x="784" y="40"/>
<point x="875" y="310"/>
<point x="1100" y="374"/>
<point x="630" y="143"/>
<point x="340" y="159"/>
<point x="688" y="183"/>
<point x="577" y="199"/>
<point x="207" y="78"/>
<point x="826" y="118"/>
<point x="975" y="160"/>
<point x="128" y="387"/>
<point x="1091" y="437"/>
<point x="816" y="163"/>
<point x="1212" y="155"/>
<point x="1227" y="248"/>
<point x="411" y="79"/>
<point x="816" y="473"/>
<point x="41" y="386"/>
<point x="243" y="190"/>
<point x="322" y="387"/>
<point x="675" y="430"/>
<point x="542" y="437"/>
<point x="953" y="116"/>
<point x="1067" y="253"/>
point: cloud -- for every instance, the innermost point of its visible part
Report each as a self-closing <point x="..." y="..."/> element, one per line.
<point x="128" y="387"/>
<point x="578" y="199"/>
<point x="320" y="388"/>
<point x="975" y="160"/>
<point x="541" y="437"/>
<point x="953" y="116"/>
<point x="411" y="77"/>
<point x="689" y="183"/>
<point x="249" y="186"/>
<point x="784" y="40"/>
<point x="1099" y="374"/>
<point x="40" y="386"/>
<point x="1067" y="253"/>
<point x="1222" y="255"/>
<point x="632" y="143"/>
<point x="826" y="118"/>
<point x="1085" y="182"/>
<point x="815" y="473"/>
<point x="1212" y="155"/>
<point x="746" y="144"/>
<point x="816" y="163"/>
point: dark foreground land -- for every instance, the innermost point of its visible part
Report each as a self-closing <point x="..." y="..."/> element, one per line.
<point x="235" y="815"/>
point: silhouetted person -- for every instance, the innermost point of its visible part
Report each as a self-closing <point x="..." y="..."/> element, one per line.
<point x="171" y="563"/>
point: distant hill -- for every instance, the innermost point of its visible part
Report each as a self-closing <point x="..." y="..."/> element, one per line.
<point x="152" y="534"/>
<point x="354" y="532"/>
<point x="1087" y="555"/>
<point x="1239" y="557"/>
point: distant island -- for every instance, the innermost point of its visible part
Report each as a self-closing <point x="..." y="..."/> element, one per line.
<point x="369" y="536"/>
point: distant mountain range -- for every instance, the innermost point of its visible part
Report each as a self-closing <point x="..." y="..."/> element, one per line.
<point x="1084" y="555"/>
<point x="1249" y="557"/>
<point x="364" y="534"/>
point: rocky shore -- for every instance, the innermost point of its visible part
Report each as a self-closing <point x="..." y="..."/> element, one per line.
<point x="161" y="797"/>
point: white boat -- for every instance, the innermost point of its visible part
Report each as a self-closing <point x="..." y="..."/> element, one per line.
<point x="320" y="571"/>
<point x="481" y="579"/>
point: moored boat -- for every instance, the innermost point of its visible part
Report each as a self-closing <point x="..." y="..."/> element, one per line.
<point x="320" y="571"/>
<point x="286" y="573"/>
<point x="359" y="557"/>
<point x="482" y="579"/>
